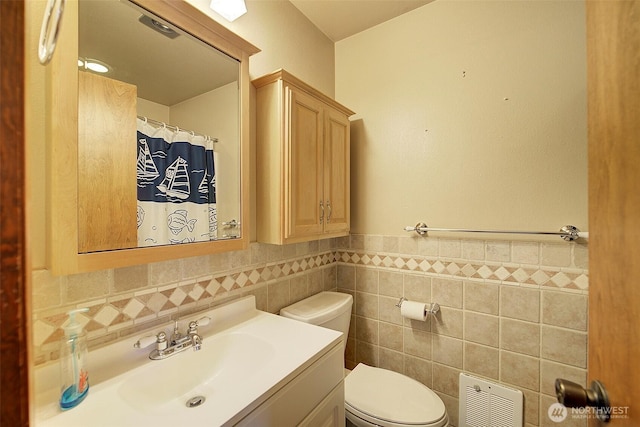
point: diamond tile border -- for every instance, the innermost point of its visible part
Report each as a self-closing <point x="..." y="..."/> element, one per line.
<point x="562" y="278"/>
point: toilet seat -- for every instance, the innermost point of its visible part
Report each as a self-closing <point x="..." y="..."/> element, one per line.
<point x="389" y="399"/>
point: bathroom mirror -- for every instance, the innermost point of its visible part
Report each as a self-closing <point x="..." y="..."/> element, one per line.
<point x="185" y="143"/>
<point x="149" y="136"/>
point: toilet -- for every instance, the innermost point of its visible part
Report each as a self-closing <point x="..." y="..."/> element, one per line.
<point x="373" y="396"/>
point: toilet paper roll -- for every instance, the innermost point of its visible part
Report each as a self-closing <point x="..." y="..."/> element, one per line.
<point x="413" y="310"/>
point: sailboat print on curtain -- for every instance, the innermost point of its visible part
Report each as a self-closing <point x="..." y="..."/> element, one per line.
<point x="176" y="187"/>
<point x="147" y="170"/>
<point x="203" y="188"/>
<point x="176" y="180"/>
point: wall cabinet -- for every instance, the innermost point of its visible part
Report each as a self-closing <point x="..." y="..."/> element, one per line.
<point x="302" y="162"/>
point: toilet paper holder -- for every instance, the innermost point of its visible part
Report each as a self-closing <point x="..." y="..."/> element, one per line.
<point x="433" y="309"/>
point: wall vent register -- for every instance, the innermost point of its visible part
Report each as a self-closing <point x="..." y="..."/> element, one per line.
<point x="485" y="404"/>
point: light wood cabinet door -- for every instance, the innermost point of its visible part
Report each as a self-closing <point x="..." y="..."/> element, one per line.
<point x="336" y="171"/>
<point x="304" y="208"/>
<point x="302" y="162"/>
<point x="107" y="200"/>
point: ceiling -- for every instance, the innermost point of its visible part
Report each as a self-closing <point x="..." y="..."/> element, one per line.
<point x="339" y="19"/>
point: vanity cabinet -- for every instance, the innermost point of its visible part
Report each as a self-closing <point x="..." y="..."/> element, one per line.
<point x="313" y="398"/>
<point x="330" y="412"/>
<point x="302" y="162"/>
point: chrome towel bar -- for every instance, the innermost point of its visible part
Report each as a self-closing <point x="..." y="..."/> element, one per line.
<point x="568" y="233"/>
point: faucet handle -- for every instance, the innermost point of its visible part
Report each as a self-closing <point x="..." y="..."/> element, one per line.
<point x="203" y="321"/>
<point x="193" y="327"/>
<point x="194" y="324"/>
<point x="145" y="341"/>
<point x="160" y="339"/>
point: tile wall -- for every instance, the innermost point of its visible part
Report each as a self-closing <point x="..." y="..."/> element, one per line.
<point x="512" y="312"/>
<point x="125" y="301"/>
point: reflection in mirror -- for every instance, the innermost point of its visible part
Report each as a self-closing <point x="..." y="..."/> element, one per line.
<point x="158" y="132"/>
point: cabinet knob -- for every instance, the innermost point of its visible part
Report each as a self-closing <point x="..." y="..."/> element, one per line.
<point x="321" y="212"/>
<point x="329" y="213"/>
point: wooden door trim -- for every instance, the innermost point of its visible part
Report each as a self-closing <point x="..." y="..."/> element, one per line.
<point x="613" y="43"/>
<point x="14" y="290"/>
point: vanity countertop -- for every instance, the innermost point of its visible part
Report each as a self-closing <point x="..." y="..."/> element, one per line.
<point x="247" y="355"/>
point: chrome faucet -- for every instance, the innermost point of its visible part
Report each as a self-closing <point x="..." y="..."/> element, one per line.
<point x="176" y="336"/>
<point x="178" y="342"/>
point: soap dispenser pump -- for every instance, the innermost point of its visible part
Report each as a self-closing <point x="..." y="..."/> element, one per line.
<point x="73" y="363"/>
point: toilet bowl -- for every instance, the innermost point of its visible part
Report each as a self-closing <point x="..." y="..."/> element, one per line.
<point x="373" y="396"/>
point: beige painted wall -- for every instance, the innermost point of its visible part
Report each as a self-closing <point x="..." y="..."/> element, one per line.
<point x="287" y="39"/>
<point x="469" y="115"/>
<point x="153" y="110"/>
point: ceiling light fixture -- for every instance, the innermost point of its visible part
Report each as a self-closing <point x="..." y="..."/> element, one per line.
<point x="158" y="26"/>
<point x="93" y="65"/>
<point x="229" y="9"/>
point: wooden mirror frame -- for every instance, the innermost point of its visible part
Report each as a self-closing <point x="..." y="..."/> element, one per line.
<point x="62" y="145"/>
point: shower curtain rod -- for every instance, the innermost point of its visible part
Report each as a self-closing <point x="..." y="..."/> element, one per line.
<point x="176" y="128"/>
<point x="568" y="232"/>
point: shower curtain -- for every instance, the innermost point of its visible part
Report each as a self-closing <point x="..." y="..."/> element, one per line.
<point x="176" y="186"/>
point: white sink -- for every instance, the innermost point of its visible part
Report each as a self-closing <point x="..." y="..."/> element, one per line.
<point x="247" y="355"/>
<point x="224" y="359"/>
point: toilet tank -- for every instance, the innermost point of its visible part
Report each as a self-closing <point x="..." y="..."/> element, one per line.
<point x="327" y="309"/>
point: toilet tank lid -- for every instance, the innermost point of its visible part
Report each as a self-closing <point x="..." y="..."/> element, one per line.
<point x="319" y="308"/>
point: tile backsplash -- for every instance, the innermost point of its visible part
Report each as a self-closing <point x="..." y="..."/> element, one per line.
<point x="513" y="312"/>
<point x="124" y="301"/>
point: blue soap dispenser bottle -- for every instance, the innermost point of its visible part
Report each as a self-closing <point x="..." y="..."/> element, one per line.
<point x="73" y="363"/>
